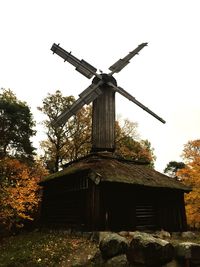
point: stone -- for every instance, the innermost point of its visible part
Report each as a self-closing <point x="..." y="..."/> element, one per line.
<point x="188" y="250"/>
<point x="124" y="233"/>
<point x="132" y="234"/>
<point x="162" y="234"/>
<point x="118" y="261"/>
<point x="149" y="251"/>
<point x="103" y="234"/>
<point x="113" y="245"/>
<point x="97" y="260"/>
<point x="188" y="235"/>
<point x="176" y="235"/>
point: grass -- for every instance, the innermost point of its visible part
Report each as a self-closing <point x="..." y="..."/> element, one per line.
<point x="42" y="249"/>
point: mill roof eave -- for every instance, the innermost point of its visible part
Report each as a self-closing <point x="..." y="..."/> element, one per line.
<point x="104" y="167"/>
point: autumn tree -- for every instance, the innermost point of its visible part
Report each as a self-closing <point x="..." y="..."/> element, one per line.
<point x="16" y="127"/>
<point x="69" y="140"/>
<point x="130" y="146"/>
<point x="19" y="192"/>
<point x="79" y="144"/>
<point x="190" y="175"/>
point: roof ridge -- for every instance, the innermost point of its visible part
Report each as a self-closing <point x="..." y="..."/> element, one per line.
<point x="107" y="155"/>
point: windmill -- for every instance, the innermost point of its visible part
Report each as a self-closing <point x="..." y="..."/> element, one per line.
<point x="101" y="93"/>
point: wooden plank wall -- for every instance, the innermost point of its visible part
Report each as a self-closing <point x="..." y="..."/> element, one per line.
<point x="103" y="121"/>
<point x="110" y="206"/>
<point x="131" y="207"/>
<point x="64" y="203"/>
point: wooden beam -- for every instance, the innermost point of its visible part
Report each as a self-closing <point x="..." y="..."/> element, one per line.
<point x="103" y="121"/>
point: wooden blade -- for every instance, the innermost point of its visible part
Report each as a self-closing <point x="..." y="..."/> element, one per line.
<point x="121" y="63"/>
<point x="81" y="65"/>
<point x="91" y="93"/>
<point x="121" y="91"/>
<point x="86" y="97"/>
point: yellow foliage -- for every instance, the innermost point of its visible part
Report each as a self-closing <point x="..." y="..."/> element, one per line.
<point x="190" y="175"/>
<point x="19" y="191"/>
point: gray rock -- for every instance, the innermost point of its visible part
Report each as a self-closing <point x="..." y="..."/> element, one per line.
<point x="124" y="233"/>
<point x="149" y="251"/>
<point x="162" y="234"/>
<point x="189" y="235"/>
<point x="97" y="260"/>
<point x="113" y="245"/>
<point x="176" y="235"/>
<point x="188" y="250"/>
<point x="104" y="234"/>
<point x="118" y="261"/>
<point x="132" y="234"/>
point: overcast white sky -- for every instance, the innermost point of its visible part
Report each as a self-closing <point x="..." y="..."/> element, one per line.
<point x="164" y="77"/>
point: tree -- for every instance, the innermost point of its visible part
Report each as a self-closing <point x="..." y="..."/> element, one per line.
<point x="69" y="140"/>
<point x="79" y="144"/>
<point x="173" y="167"/>
<point x="190" y="175"/>
<point x="129" y="145"/>
<point x="16" y="127"/>
<point x="19" y="192"/>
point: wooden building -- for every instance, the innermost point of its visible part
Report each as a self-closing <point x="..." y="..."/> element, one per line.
<point x="104" y="192"/>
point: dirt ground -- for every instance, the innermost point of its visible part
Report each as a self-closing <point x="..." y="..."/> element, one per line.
<point x="83" y="252"/>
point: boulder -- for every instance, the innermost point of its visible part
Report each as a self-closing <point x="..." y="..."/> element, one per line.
<point x="176" y="235"/>
<point x="113" y="245"/>
<point x="147" y="250"/>
<point x="97" y="260"/>
<point x="188" y="235"/>
<point x="124" y="233"/>
<point x="103" y="234"/>
<point x="162" y="234"/>
<point x="118" y="261"/>
<point x="188" y="250"/>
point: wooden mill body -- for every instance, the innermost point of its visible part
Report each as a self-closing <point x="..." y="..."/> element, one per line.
<point x="103" y="117"/>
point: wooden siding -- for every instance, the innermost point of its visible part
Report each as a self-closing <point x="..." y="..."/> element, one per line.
<point x="103" y="121"/>
<point x="171" y="211"/>
<point x="133" y="207"/>
<point x="145" y="214"/>
<point x="78" y="202"/>
<point x="64" y="202"/>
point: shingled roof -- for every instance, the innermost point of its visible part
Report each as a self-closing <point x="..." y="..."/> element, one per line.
<point x="105" y="167"/>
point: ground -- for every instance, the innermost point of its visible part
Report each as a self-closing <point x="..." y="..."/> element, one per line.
<point x="46" y="248"/>
<point x="55" y="248"/>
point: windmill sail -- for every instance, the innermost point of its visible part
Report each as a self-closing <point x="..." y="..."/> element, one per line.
<point x="86" y="97"/>
<point x="81" y="65"/>
<point x="121" y="63"/>
<point x="121" y="91"/>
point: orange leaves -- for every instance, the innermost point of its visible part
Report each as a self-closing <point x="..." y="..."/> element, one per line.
<point x="191" y="152"/>
<point x="19" y="191"/>
<point x="190" y="175"/>
<point x="193" y="208"/>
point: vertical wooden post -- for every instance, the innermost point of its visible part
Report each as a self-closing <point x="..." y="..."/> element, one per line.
<point x="103" y="119"/>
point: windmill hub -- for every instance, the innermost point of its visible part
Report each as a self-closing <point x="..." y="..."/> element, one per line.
<point x="105" y="78"/>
